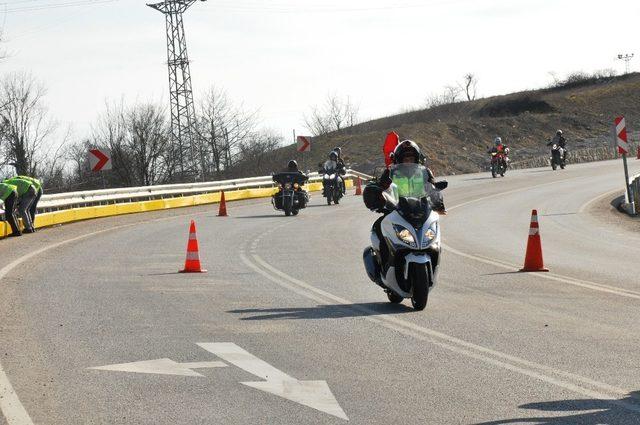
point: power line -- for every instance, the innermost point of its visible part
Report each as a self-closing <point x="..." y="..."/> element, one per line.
<point x="50" y="6"/>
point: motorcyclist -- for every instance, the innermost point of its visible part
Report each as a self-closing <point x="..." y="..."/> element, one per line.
<point x="342" y="167"/>
<point x="299" y="178"/>
<point x="559" y="140"/>
<point x="501" y="148"/>
<point x="333" y="165"/>
<point x="406" y="152"/>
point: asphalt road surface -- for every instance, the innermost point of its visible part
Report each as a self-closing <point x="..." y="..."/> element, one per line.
<point x="286" y="328"/>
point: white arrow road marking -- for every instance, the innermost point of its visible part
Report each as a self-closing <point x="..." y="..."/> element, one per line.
<point x="161" y="367"/>
<point x="314" y="394"/>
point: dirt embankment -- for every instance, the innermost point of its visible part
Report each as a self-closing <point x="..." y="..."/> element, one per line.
<point x="455" y="137"/>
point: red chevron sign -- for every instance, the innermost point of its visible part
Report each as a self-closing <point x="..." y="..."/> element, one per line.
<point x="99" y="159"/>
<point x="304" y="143"/>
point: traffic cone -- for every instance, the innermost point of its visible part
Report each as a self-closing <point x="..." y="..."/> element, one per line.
<point x="533" y="261"/>
<point x="358" y="187"/>
<point x="223" y="206"/>
<point x="192" y="263"/>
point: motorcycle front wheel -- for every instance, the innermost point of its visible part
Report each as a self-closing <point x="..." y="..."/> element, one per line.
<point x="420" y="283"/>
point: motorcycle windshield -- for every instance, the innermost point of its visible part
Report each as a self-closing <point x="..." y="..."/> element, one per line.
<point x="409" y="181"/>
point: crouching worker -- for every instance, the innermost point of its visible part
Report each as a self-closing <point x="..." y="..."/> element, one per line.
<point x="26" y="194"/>
<point x="33" y="210"/>
<point x="9" y="197"/>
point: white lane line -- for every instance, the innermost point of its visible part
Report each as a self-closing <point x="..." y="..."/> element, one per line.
<point x="550" y="276"/>
<point x="487" y="355"/>
<point x="587" y="204"/>
<point x="10" y="405"/>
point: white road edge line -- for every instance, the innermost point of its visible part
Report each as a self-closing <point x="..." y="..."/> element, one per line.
<point x="445" y="341"/>
<point x="550" y="276"/>
<point x="10" y="404"/>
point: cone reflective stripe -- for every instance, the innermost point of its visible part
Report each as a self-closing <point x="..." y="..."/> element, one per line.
<point x="533" y="261"/>
<point x="358" y="187"/>
<point x="534" y="228"/>
<point x="192" y="263"/>
<point x="223" y="206"/>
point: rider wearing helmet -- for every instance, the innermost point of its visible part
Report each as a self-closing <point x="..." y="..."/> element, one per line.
<point x="292" y="166"/>
<point x="559" y="140"/>
<point x="406" y="152"/>
<point x="500" y="148"/>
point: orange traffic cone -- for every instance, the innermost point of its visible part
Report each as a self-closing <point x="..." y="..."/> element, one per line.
<point x="533" y="261"/>
<point x="223" y="206"/>
<point x="192" y="263"/>
<point x="358" y="187"/>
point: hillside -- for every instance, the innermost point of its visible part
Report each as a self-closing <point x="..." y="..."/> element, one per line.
<point x="455" y="137"/>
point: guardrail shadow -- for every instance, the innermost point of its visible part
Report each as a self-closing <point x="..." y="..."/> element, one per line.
<point x="617" y="412"/>
<point x="328" y="311"/>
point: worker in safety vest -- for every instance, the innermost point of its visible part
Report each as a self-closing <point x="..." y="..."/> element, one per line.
<point x="33" y="210"/>
<point x="9" y="197"/>
<point x="26" y="194"/>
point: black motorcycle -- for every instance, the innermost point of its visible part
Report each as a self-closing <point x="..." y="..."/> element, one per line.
<point x="558" y="157"/>
<point x="332" y="183"/>
<point x="291" y="198"/>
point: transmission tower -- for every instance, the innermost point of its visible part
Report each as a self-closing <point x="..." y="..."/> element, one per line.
<point x="626" y="58"/>
<point x="180" y="92"/>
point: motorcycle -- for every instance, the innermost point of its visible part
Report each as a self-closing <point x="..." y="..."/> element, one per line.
<point x="291" y="198"/>
<point x="410" y="238"/>
<point x="332" y="182"/>
<point x="498" y="164"/>
<point x="558" y="157"/>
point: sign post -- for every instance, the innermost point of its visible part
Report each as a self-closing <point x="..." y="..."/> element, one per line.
<point x="623" y="149"/>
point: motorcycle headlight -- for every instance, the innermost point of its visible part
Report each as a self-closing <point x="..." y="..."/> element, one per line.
<point x="404" y="235"/>
<point x="430" y="235"/>
<point x="296" y="185"/>
<point x="287" y="185"/>
<point x="333" y="176"/>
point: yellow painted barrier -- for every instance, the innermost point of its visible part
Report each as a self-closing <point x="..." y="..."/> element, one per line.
<point x="87" y="213"/>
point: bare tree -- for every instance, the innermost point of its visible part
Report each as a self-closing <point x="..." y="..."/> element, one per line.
<point x="335" y="114"/>
<point x="25" y="125"/>
<point x="447" y="97"/>
<point x="221" y="127"/>
<point x="138" y="138"/>
<point x="147" y="141"/>
<point x="469" y="86"/>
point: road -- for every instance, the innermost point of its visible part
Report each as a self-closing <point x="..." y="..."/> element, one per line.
<point x="286" y="328"/>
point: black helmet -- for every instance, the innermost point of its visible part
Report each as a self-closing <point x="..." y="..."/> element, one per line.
<point x="559" y="132"/>
<point x="404" y="148"/>
<point x="333" y="155"/>
<point x="292" y="165"/>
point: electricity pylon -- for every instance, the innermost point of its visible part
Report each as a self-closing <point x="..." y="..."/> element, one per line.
<point x="180" y="92"/>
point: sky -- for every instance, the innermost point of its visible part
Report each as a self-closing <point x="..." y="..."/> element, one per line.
<point x="281" y="57"/>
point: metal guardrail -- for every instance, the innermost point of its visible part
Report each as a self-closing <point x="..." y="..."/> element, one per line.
<point x="69" y="200"/>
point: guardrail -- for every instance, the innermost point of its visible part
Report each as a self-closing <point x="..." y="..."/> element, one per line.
<point x="56" y="202"/>
<point x="74" y="206"/>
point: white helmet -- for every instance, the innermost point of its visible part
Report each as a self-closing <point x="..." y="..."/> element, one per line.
<point x="498" y="141"/>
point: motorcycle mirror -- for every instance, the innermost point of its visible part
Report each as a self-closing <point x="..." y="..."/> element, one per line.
<point x="441" y="185"/>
